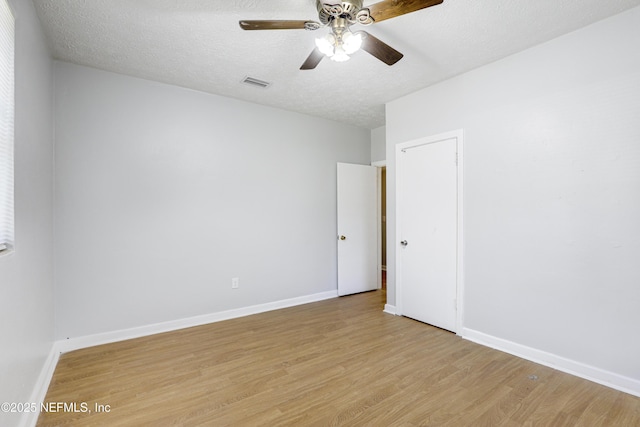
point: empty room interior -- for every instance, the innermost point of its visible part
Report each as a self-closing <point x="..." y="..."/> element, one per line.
<point x="308" y="212"/>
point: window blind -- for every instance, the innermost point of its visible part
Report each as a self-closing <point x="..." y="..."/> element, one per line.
<point x="7" y="40"/>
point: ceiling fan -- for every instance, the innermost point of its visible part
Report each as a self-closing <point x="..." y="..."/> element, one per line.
<point x="341" y="41"/>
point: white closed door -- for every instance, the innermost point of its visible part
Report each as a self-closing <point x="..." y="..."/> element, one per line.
<point x="357" y="233"/>
<point x="428" y="232"/>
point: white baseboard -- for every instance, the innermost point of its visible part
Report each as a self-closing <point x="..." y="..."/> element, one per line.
<point x="591" y="373"/>
<point x="142" y="331"/>
<point x="391" y="309"/>
<point x="42" y="385"/>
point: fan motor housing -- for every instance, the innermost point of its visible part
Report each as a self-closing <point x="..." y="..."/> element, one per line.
<point x="347" y="9"/>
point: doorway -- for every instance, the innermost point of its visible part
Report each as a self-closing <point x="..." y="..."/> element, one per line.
<point x="357" y="235"/>
<point x="381" y="207"/>
<point x="361" y="227"/>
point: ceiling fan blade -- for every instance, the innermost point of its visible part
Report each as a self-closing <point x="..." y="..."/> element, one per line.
<point x="273" y="25"/>
<point x="391" y="8"/>
<point x="380" y="49"/>
<point x="313" y="60"/>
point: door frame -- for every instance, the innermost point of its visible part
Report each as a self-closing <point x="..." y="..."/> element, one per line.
<point x="458" y="135"/>
<point x="379" y="165"/>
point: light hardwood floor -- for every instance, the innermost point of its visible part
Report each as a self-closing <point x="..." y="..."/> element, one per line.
<point x="336" y="362"/>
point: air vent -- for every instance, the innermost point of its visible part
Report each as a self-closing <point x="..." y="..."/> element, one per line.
<point x="256" y="82"/>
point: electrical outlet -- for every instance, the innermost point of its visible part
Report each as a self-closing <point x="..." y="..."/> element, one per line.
<point x="235" y="283"/>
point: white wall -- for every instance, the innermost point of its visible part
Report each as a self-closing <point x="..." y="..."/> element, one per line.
<point x="26" y="276"/>
<point x="378" y="144"/>
<point x="552" y="193"/>
<point x="164" y="194"/>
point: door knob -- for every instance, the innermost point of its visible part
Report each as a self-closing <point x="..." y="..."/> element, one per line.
<point x="343" y="237"/>
<point x="404" y="243"/>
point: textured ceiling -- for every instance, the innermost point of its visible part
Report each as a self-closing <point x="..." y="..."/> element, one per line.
<point x="198" y="44"/>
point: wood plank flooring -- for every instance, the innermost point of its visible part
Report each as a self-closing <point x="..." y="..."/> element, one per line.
<point x="332" y="363"/>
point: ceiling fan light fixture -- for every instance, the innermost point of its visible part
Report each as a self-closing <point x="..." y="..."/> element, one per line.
<point x="339" y="44"/>
<point x="326" y="44"/>
<point x="351" y="42"/>
<point x="340" y="55"/>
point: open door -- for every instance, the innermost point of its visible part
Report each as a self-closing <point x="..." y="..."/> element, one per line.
<point x="357" y="231"/>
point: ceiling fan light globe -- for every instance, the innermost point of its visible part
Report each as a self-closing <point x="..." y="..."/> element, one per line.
<point x="340" y="55"/>
<point x="351" y="42"/>
<point x="326" y="45"/>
